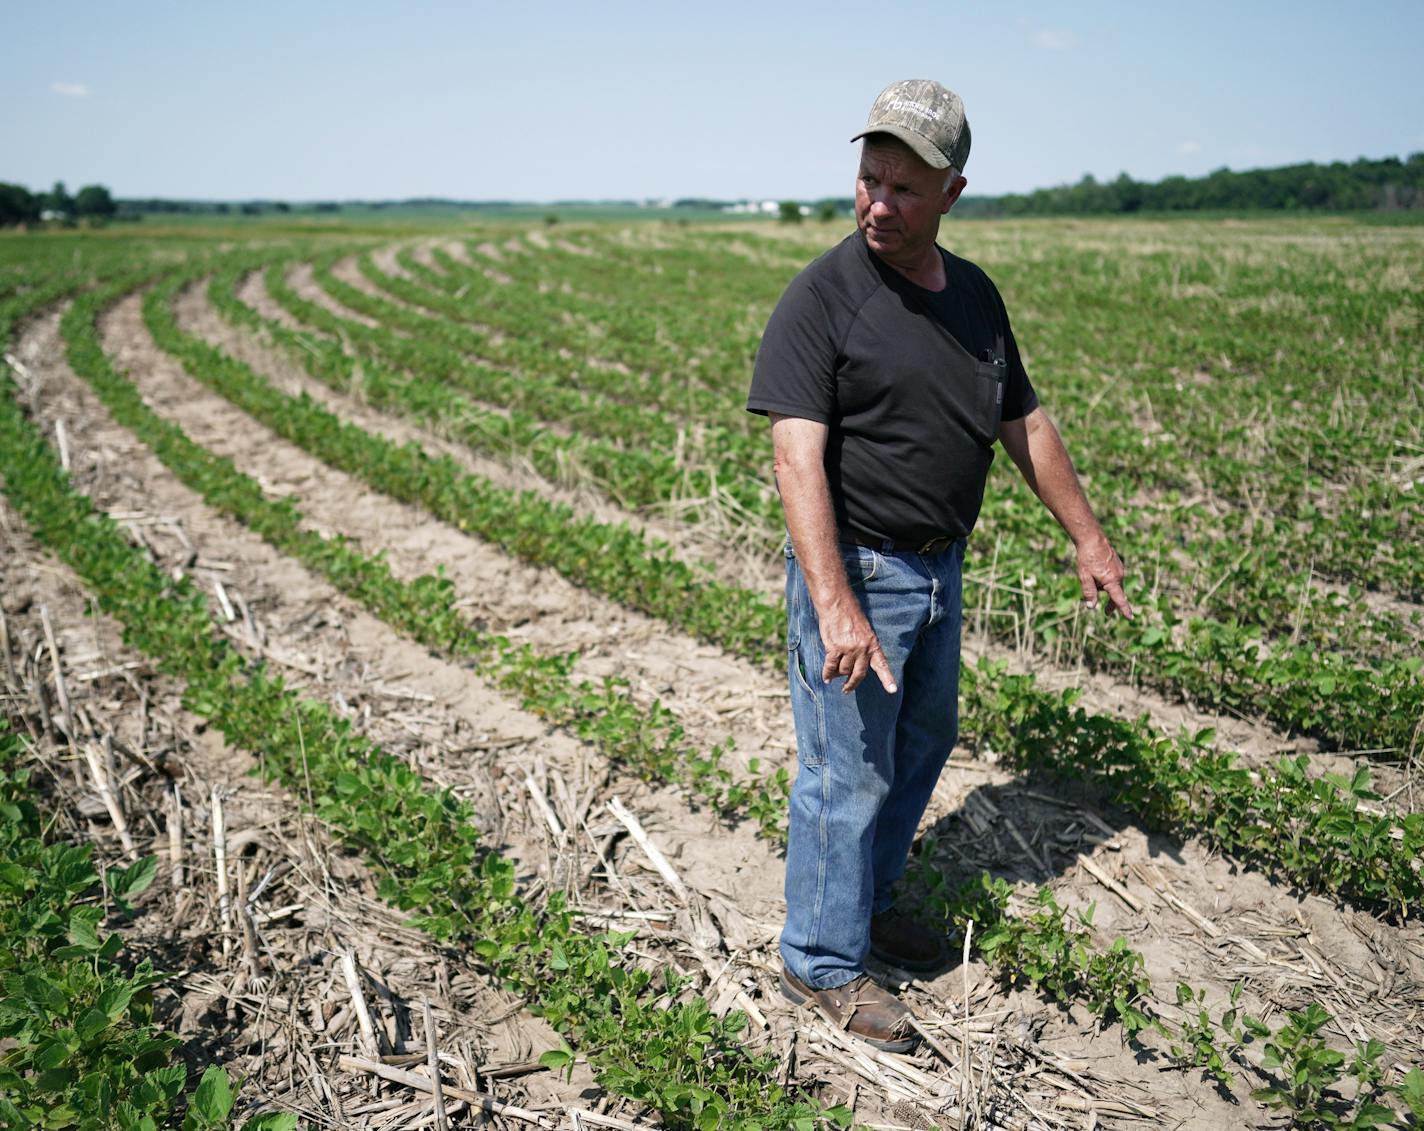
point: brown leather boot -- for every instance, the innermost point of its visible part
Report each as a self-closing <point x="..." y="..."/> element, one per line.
<point x="897" y="939"/>
<point x="860" y="1007"/>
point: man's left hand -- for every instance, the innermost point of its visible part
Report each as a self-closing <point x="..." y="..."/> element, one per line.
<point x="1100" y="570"/>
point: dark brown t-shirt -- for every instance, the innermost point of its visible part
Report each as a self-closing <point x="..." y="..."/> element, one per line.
<point x="913" y="384"/>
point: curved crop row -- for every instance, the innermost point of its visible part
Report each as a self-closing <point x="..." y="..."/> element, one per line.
<point x="651" y="471"/>
<point x="649" y="742"/>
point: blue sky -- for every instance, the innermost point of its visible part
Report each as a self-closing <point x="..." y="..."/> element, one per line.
<point x="543" y="100"/>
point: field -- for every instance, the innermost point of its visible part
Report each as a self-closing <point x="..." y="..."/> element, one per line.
<point x="395" y="614"/>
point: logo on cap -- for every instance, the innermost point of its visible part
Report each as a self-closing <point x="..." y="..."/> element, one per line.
<point x="927" y="117"/>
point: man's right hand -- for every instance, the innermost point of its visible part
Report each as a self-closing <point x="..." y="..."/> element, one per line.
<point x="852" y="648"/>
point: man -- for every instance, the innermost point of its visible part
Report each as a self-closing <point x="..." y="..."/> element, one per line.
<point x="888" y="370"/>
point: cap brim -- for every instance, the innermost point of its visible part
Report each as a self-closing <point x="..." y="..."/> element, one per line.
<point x="926" y="151"/>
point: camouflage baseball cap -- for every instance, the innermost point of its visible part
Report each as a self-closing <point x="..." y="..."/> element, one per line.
<point x="926" y="117"/>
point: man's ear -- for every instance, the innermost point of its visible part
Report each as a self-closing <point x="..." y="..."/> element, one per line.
<point x="952" y="194"/>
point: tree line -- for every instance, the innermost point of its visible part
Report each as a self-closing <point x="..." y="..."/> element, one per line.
<point x="1386" y="184"/>
<point x="18" y="205"/>
<point x="95" y="203"/>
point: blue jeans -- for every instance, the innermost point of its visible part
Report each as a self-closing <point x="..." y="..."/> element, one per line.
<point x="868" y="760"/>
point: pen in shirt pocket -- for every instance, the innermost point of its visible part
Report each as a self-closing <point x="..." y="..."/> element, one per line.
<point x="1002" y="366"/>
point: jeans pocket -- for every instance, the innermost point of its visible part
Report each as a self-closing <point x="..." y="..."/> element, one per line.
<point x="862" y="565"/>
<point x="799" y="672"/>
<point x="807" y="709"/>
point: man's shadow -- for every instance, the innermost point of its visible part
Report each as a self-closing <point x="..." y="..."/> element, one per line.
<point x="1030" y="830"/>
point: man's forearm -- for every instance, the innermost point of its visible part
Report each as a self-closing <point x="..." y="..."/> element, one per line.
<point x="851" y="649"/>
<point x="1046" y="466"/>
<point x="1038" y="450"/>
<point x="811" y="522"/>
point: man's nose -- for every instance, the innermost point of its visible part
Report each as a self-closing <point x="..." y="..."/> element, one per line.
<point x="880" y="204"/>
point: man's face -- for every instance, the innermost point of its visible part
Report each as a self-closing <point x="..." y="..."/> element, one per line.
<point x="899" y="200"/>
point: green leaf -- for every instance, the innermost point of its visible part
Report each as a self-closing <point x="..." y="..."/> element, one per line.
<point x="52" y="1053"/>
<point x="1411" y="1091"/>
<point x="557" y="1059"/>
<point x="84" y="932"/>
<point x="125" y="883"/>
<point x="213" y="1098"/>
<point x="1372" y="1115"/>
<point x="272" y="1121"/>
<point x="91" y="1024"/>
<point x="115" y="1000"/>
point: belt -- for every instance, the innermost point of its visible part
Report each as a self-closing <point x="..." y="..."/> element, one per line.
<point x="933" y="546"/>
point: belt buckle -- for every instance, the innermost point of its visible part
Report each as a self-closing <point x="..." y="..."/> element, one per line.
<point x="935" y="545"/>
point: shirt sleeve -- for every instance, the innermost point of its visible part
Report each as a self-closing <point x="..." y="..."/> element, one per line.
<point x="1019" y="397"/>
<point x="795" y="371"/>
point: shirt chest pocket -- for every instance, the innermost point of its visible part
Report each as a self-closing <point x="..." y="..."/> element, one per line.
<point x="986" y="401"/>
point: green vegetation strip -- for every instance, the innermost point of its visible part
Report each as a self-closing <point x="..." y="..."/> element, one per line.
<point x="1173" y="783"/>
<point x="685" y="459"/>
<point x="636" y="476"/>
<point x="642" y="1043"/>
<point x="1311" y="830"/>
<point x="78" y="1045"/>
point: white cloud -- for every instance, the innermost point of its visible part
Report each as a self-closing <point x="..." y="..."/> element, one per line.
<point x="1055" y="39"/>
<point x="1187" y="148"/>
<point x="70" y="89"/>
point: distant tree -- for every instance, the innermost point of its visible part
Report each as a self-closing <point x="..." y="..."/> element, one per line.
<point x="281" y="206"/>
<point x="18" y="205"/>
<point x="94" y="200"/>
<point x="550" y="219"/>
<point x="790" y="212"/>
<point x="59" y="200"/>
<point x="1128" y="193"/>
<point x="826" y="211"/>
<point x="251" y="208"/>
